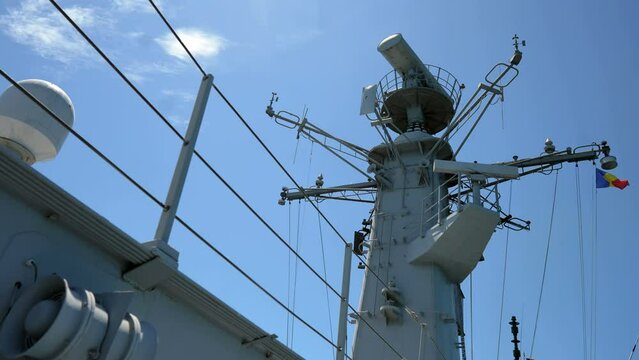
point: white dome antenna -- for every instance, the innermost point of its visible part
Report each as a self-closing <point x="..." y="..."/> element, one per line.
<point x="26" y="129"/>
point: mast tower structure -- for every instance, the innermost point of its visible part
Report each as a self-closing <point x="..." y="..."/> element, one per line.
<point x="418" y="251"/>
<point x="433" y="215"/>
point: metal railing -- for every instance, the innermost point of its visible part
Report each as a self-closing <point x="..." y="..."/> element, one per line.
<point x="451" y="196"/>
<point x="394" y="81"/>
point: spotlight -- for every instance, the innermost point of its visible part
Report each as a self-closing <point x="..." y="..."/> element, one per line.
<point x="608" y="162"/>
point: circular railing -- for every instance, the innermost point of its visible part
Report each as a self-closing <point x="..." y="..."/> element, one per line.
<point x="394" y="81"/>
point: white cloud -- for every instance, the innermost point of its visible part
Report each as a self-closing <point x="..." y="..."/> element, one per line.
<point x="202" y="45"/>
<point x="135" y="5"/>
<point x="181" y="95"/>
<point x="84" y="17"/>
<point x="140" y="71"/>
<point x="35" y="24"/>
<point x="179" y="121"/>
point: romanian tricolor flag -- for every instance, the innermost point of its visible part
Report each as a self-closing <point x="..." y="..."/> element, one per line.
<point x="606" y="179"/>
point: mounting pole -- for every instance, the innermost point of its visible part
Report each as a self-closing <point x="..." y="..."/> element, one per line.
<point x="515" y="330"/>
<point x="167" y="218"/>
<point x="343" y="307"/>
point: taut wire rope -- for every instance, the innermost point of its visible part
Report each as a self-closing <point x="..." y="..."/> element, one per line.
<point x="503" y="283"/>
<point x="543" y="275"/>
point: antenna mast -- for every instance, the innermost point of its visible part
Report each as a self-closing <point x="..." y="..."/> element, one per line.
<point x="433" y="216"/>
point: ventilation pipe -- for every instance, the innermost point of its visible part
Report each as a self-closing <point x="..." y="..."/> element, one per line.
<point x="54" y="321"/>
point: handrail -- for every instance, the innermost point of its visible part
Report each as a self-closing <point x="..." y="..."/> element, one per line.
<point x="394" y="81"/>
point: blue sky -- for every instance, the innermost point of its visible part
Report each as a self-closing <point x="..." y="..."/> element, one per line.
<point x="577" y="85"/>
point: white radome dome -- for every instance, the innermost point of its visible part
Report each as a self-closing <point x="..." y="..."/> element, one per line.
<point x="26" y="129"/>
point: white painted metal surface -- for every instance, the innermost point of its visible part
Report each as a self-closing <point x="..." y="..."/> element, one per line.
<point x="424" y="293"/>
<point x="369" y="96"/>
<point x="343" y="306"/>
<point x="466" y="168"/>
<point x="403" y="59"/>
<point x="167" y="218"/>
<point x="28" y="130"/>
<point x="457" y="245"/>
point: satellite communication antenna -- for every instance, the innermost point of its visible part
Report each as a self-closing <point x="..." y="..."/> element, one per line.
<point x="26" y="130"/>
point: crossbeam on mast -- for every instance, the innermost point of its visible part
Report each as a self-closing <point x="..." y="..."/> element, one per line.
<point x="366" y="187"/>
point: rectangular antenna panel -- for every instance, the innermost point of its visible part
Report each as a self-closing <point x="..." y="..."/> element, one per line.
<point x="458" y="167"/>
<point x="368" y="100"/>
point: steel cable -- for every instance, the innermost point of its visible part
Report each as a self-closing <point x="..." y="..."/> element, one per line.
<point x="166" y="22"/>
<point x="328" y="302"/>
<point x="581" y="264"/>
<point x="543" y="276"/>
<point x="503" y="283"/>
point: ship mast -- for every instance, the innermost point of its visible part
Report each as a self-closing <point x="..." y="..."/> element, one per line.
<point x="433" y="216"/>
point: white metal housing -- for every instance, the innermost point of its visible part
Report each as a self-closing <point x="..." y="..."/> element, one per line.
<point x="26" y="128"/>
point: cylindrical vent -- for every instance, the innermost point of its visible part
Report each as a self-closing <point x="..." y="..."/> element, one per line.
<point x="53" y="321"/>
<point x="26" y="129"/>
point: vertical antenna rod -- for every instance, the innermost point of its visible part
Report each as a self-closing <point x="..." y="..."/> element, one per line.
<point x="515" y="330"/>
<point x="167" y="218"/>
<point x="343" y="307"/>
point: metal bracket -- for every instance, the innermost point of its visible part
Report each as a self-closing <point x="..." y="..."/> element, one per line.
<point x="148" y="275"/>
<point x="491" y="89"/>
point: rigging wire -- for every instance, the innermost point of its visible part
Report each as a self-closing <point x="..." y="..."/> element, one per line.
<point x="581" y="264"/>
<point x="472" y="337"/>
<point x="158" y="202"/>
<point x="543" y="276"/>
<point x="296" y="264"/>
<point x="166" y="22"/>
<point x="300" y="226"/>
<point x="208" y="166"/>
<point x="288" y="278"/>
<point x="503" y="283"/>
<point x="328" y="302"/>
<point x="595" y="244"/>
